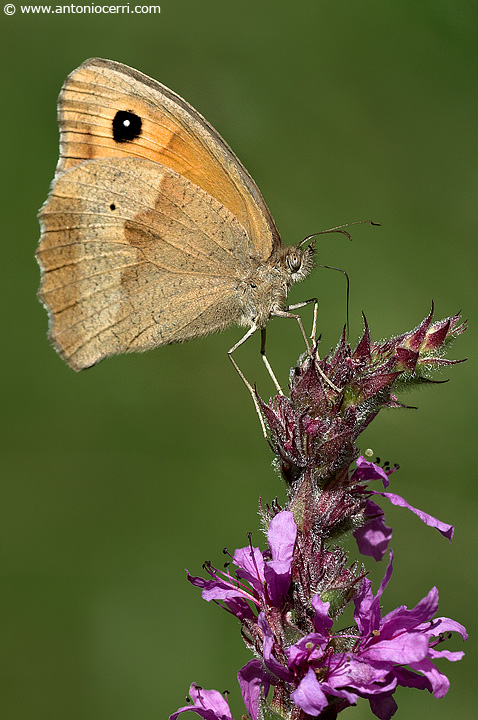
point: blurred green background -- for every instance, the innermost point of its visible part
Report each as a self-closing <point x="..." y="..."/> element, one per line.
<point x="116" y="479"/>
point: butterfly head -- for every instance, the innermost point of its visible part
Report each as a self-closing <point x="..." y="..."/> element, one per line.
<point x="299" y="261"/>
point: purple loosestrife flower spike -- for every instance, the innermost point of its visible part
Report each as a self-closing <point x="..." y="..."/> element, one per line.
<point x="289" y="597"/>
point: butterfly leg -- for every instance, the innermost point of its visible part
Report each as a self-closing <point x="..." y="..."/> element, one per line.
<point x="267" y="363"/>
<point x="245" y="337"/>
<point x="286" y="313"/>
<point x="314" y="321"/>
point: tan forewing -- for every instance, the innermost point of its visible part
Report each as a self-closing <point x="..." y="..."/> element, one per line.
<point x="173" y="134"/>
<point x="135" y="256"/>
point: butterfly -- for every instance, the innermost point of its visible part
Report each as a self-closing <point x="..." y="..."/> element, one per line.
<point x="153" y="231"/>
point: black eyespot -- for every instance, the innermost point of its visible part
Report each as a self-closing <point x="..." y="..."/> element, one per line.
<point x="112" y="206"/>
<point x="126" y="126"/>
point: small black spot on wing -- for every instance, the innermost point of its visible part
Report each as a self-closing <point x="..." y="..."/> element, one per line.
<point x="126" y="126"/>
<point x="112" y="206"/>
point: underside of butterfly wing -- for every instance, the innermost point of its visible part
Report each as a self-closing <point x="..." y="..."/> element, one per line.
<point x="107" y="109"/>
<point x="134" y="256"/>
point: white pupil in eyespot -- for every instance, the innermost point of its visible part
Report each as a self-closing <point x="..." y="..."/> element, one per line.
<point x="126" y="123"/>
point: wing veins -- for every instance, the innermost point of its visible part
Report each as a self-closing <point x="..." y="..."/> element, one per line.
<point x="180" y="208"/>
<point x="109" y="327"/>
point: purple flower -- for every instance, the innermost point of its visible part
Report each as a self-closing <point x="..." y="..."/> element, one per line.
<point x="254" y="683"/>
<point x="211" y="705"/>
<point x="281" y="539"/>
<point x="403" y="637"/>
<point x="373" y="537"/>
<point x="208" y="704"/>
<point x="374" y="665"/>
<point x="269" y="579"/>
<point x="368" y="661"/>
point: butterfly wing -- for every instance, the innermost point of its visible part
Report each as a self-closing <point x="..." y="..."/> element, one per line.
<point x="135" y="256"/>
<point x="107" y="109"/>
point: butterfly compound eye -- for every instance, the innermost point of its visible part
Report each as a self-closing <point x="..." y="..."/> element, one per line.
<point x="126" y="126"/>
<point x="294" y="261"/>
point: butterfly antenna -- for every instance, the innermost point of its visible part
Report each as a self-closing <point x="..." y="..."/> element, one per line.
<point x="338" y="229"/>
